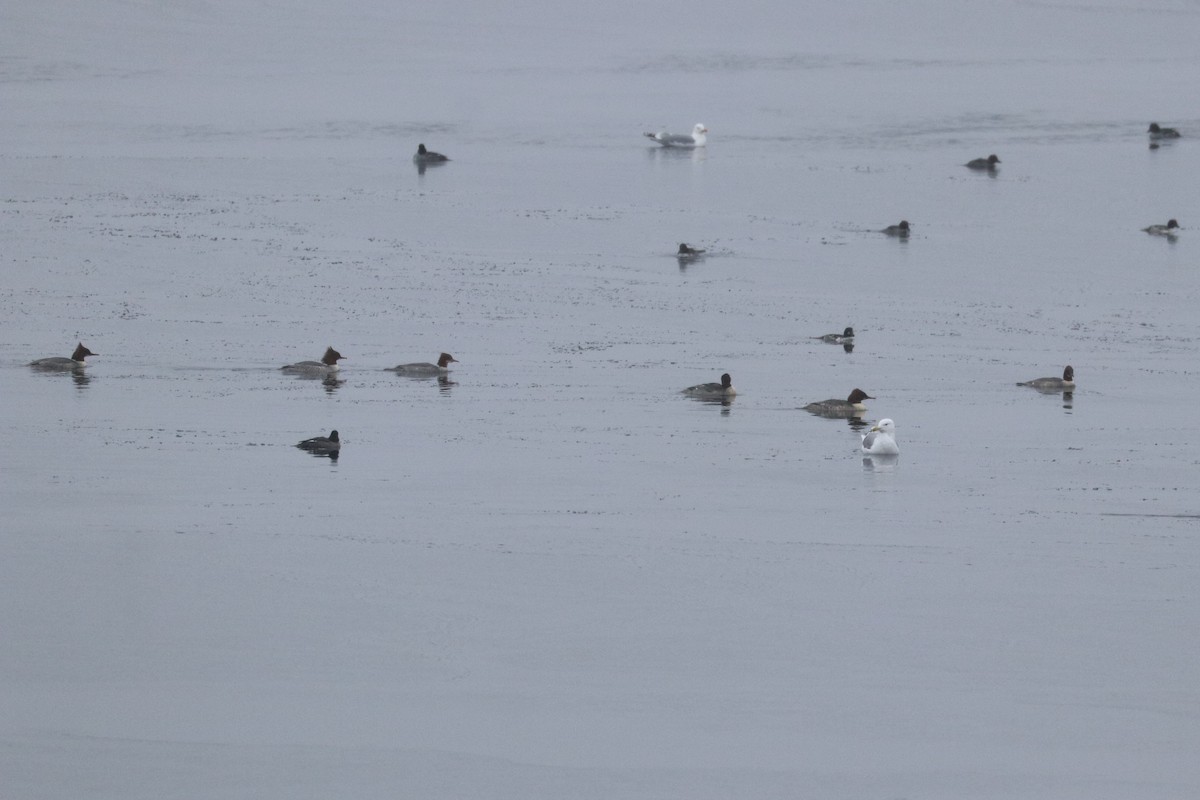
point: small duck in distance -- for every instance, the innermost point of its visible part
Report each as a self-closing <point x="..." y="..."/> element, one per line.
<point x="424" y="156"/>
<point x="901" y="229"/>
<point x="837" y="338"/>
<point x="724" y="389"/>
<point x="425" y="368"/>
<point x="687" y="251"/>
<point x="1157" y="132"/>
<point x="1170" y="229"/>
<point x="76" y="361"/>
<point x="327" y="364"/>
<point x="323" y="446"/>
<point x="696" y="138"/>
<point x="852" y="406"/>
<point x="1064" y="384"/>
<point x="988" y="163"/>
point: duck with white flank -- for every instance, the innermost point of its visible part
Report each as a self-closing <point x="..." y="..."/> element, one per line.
<point x="326" y="365"/>
<point x="837" y="338"/>
<point x="881" y="439"/>
<point x="424" y="156"/>
<point x="1064" y="384"/>
<point x="1157" y="132"/>
<point x="1170" y="229"/>
<point x="724" y="389"/>
<point x="696" y="138"/>
<point x="425" y="368"/>
<point x="322" y="445"/>
<point x="60" y="363"/>
<point x="852" y="406"/>
<point x="988" y="163"/>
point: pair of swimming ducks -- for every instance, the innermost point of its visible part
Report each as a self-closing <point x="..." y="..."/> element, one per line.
<point x="328" y="363"/>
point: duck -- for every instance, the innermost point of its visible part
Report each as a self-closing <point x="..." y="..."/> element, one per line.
<point x="1065" y="383"/>
<point x="327" y="364"/>
<point x="696" y="138"/>
<point x="424" y="156"/>
<point x="1170" y="229"/>
<point x="687" y="251"/>
<point x="1157" y="132"/>
<point x="988" y="163"/>
<point x="851" y="406"/>
<point x="322" y="444"/>
<point x="837" y="338"/>
<point x="901" y="229"/>
<point x="722" y="389"/>
<point x="425" y="368"/>
<point x="76" y="361"/>
<point x="881" y="439"/>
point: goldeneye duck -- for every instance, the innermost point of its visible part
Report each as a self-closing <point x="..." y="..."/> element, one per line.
<point x="76" y="361"/>
<point x="1162" y="133"/>
<point x="722" y="389"/>
<point x="424" y="156"/>
<point x="1065" y="383"/>
<point x="328" y="363"/>
<point x="322" y="445"/>
<point x="984" y="163"/>
<point x="687" y="251"/>
<point x="881" y="439"/>
<point x="851" y="406"/>
<point x="696" y="138"/>
<point x="1170" y="229"/>
<point x="900" y="229"/>
<point x="425" y="368"/>
<point x="837" y="338"/>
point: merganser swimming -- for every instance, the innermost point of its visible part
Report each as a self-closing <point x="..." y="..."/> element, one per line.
<point x="425" y="368"/>
<point x="687" y="251"/>
<point x="1170" y="229"/>
<point x="897" y="230"/>
<point x="58" y="362"/>
<point x="1065" y="383"/>
<point x="881" y="439"/>
<point x="424" y="156"/>
<point x="694" y="139"/>
<point x="1162" y="133"/>
<point x="722" y="389"/>
<point x="837" y="338"/>
<point x="851" y="406"/>
<point x="322" y="444"/>
<point x="988" y="163"/>
<point x="328" y="363"/>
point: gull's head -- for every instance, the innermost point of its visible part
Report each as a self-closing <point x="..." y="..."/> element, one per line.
<point x="885" y="426"/>
<point x="699" y="129"/>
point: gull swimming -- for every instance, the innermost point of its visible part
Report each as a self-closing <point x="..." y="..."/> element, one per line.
<point x="696" y="138"/>
<point x="881" y="439"/>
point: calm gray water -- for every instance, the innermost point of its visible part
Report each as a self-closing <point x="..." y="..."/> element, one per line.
<point x="552" y="575"/>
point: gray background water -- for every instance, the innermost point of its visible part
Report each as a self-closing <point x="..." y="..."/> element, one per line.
<point x="555" y="576"/>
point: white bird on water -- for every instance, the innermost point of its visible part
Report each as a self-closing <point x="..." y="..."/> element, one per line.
<point x="881" y="439"/>
<point x="696" y="138"/>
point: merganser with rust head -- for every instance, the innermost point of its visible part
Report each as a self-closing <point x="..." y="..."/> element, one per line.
<point x="425" y="368"/>
<point x="900" y="229"/>
<point x="988" y="163"/>
<point x="713" y="390"/>
<point x="851" y="406"/>
<point x="837" y="338"/>
<point x="881" y="439"/>
<point x="1157" y="132"/>
<point x="696" y="138"/>
<point x="58" y="362"/>
<point x="424" y="156"/>
<point x="322" y="444"/>
<point x="1170" y="229"/>
<point x="327" y="364"/>
<point x="1064" y="384"/>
